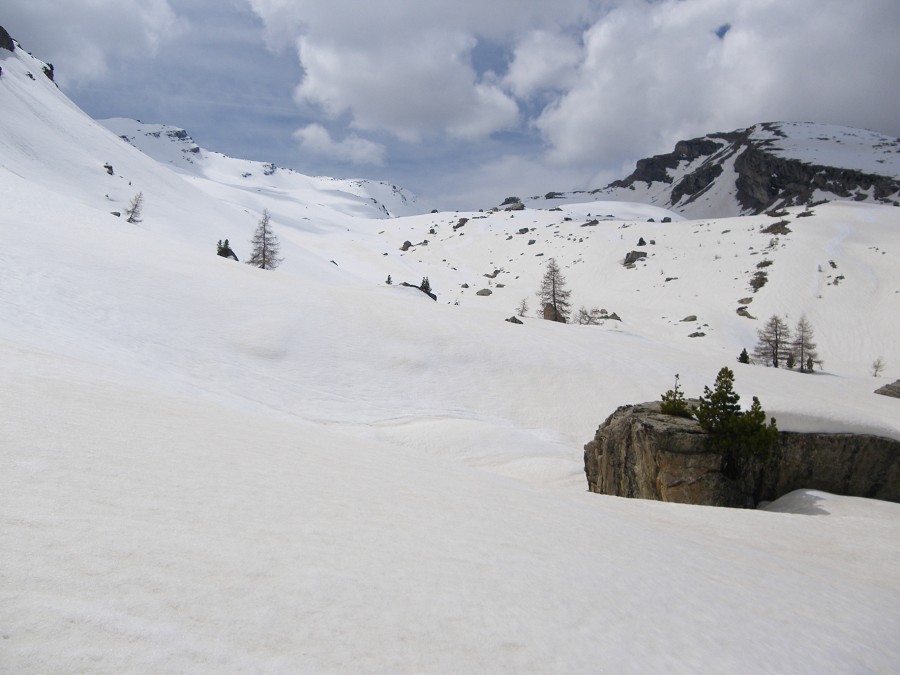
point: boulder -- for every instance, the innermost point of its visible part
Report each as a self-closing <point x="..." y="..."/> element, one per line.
<point x="633" y="257"/>
<point x="406" y="245"/>
<point x="514" y="319"/>
<point x="892" y="389"/>
<point x="640" y="452"/>
<point x="484" y="291"/>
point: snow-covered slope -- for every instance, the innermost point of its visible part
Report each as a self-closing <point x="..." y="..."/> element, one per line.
<point x="764" y="167"/>
<point x="175" y="147"/>
<point x="210" y="467"/>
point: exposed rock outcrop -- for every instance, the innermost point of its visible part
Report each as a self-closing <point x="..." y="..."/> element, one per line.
<point x="892" y="389"/>
<point x="6" y="41"/>
<point x="639" y="452"/>
<point x="760" y="176"/>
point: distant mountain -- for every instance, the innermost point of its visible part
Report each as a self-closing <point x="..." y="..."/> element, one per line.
<point x="764" y="167"/>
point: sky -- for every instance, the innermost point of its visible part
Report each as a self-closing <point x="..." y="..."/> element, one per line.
<point x="466" y="102"/>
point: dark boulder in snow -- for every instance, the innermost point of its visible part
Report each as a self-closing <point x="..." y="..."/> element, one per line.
<point x="633" y="257"/>
<point x="892" y="389"/>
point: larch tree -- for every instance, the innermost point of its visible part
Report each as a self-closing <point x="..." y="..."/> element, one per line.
<point x="265" y="245"/>
<point x="774" y="342"/>
<point x="803" y="346"/>
<point x="134" y="208"/>
<point x="553" y="295"/>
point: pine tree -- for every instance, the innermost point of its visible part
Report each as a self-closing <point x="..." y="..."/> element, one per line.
<point x="804" y="346"/>
<point x="674" y="403"/>
<point x="553" y="293"/>
<point x="425" y="285"/>
<point x="523" y="307"/>
<point x="265" y="245"/>
<point x="134" y="208"/>
<point x="389" y="280"/>
<point x="744" y="357"/>
<point x="774" y="342"/>
<point x="224" y="250"/>
<point x="736" y="435"/>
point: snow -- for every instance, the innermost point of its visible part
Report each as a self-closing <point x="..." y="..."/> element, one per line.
<point x="833" y="145"/>
<point x="209" y="467"/>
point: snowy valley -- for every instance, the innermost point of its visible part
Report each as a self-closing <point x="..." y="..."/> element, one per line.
<point x="208" y="467"/>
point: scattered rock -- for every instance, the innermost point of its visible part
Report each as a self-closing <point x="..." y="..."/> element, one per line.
<point x="742" y="311"/>
<point x="691" y="317"/>
<point x="614" y="317"/>
<point x="781" y="227"/>
<point x="406" y="245"/>
<point x="633" y="257"/>
<point x="462" y="221"/>
<point x="697" y="334"/>
<point x="484" y="291"/>
<point x="531" y="241"/>
<point x="514" y="319"/>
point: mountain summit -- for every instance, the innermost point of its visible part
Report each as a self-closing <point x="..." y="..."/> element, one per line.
<point x="764" y="167"/>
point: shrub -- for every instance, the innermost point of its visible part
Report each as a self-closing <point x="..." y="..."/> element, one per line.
<point x="673" y="402"/>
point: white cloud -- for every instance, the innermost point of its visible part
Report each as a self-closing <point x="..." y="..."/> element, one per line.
<point x="84" y="38"/>
<point x="543" y="60"/>
<point x="657" y="72"/>
<point x="315" y="138"/>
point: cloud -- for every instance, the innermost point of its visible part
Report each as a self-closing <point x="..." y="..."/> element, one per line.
<point x="653" y="73"/>
<point x="315" y="138"/>
<point x="86" y="37"/>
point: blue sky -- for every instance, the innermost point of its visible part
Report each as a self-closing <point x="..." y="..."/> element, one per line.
<point x="468" y="102"/>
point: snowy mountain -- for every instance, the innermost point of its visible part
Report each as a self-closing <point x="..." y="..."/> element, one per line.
<point x="211" y="467"/>
<point x="766" y="167"/>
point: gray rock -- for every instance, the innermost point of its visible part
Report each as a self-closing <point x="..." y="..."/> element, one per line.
<point x="691" y="317"/>
<point x="639" y="452"/>
<point x="514" y="319"/>
<point x="892" y="389"/>
<point x="633" y="257"/>
<point x="406" y="245"/>
<point x="484" y="291"/>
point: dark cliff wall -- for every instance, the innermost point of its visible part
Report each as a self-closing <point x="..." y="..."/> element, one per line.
<point x="639" y="452"/>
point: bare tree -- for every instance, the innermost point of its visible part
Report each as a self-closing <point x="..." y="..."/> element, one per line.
<point x="523" y="307"/>
<point x="553" y="296"/>
<point x="803" y="347"/>
<point x="265" y="245"/>
<point x="773" y="345"/>
<point x="877" y="366"/>
<point x="134" y="208"/>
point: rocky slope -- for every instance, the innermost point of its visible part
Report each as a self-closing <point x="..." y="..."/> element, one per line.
<point x="764" y="167"/>
<point x="639" y="452"/>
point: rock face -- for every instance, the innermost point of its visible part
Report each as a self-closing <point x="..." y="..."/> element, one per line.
<point x="749" y="164"/>
<point x="639" y="452"/>
<point x="6" y="42"/>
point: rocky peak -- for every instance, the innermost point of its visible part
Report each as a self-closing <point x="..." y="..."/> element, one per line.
<point x="767" y="166"/>
<point x="6" y="41"/>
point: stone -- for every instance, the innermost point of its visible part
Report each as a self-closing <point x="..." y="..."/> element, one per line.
<point x="633" y="257"/>
<point x="484" y="291"/>
<point x="691" y="317"/>
<point x="514" y="319"/>
<point x="892" y="389"/>
<point x="640" y="452"/>
<point x="406" y="245"/>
